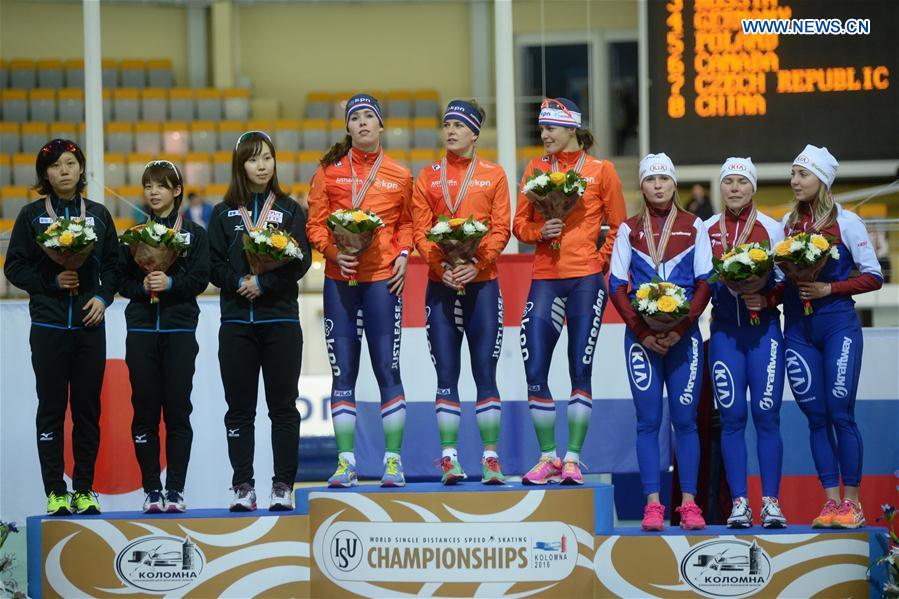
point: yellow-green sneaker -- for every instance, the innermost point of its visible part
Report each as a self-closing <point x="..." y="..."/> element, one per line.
<point x="58" y="504"/>
<point x="85" y="502"/>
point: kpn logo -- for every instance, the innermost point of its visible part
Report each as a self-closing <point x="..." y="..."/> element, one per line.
<point x="159" y="564"/>
<point x="726" y="568"/>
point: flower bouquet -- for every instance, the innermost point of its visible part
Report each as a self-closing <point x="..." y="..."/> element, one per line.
<point x="268" y="248"/>
<point x="661" y="304"/>
<point x="802" y="257"/>
<point x="353" y="231"/>
<point x="458" y="239"/>
<point x="744" y="270"/>
<point x="554" y="194"/>
<point x="154" y="247"/>
<point x="68" y="243"/>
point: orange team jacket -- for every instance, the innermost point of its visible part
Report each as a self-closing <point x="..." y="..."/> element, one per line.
<point x="389" y="198"/>
<point x="487" y="200"/>
<point x="580" y="253"/>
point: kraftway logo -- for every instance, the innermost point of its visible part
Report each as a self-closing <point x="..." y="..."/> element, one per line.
<point x="726" y="568"/>
<point x="159" y="564"/>
<point x="840" y="390"/>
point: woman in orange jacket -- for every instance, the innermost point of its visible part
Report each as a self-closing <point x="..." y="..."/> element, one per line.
<point x="355" y="173"/>
<point x="567" y="284"/>
<point x="463" y="185"/>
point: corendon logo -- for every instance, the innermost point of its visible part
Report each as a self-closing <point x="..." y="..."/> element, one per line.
<point x="798" y="372"/>
<point x="523" y="337"/>
<point x="594" y="328"/>
<point x="638" y="366"/>
<point x="686" y="397"/>
<point x="723" y="382"/>
<point x="839" y="388"/>
<point x="767" y="400"/>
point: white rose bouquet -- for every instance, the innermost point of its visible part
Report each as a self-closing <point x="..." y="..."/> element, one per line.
<point x="154" y="247"/>
<point x="268" y="248"/>
<point x="458" y="239"/>
<point x="802" y="257"/>
<point x="68" y="242"/>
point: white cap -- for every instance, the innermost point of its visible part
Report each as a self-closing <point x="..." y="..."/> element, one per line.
<point x="819" y="162"/>
<point x="742" y="167"/>
<point x="656" y="164"/>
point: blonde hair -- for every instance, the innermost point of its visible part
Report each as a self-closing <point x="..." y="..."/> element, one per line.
<point x="825" y="208"/>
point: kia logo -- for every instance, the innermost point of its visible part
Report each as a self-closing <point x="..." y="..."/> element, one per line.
<point x="638" y="367"/>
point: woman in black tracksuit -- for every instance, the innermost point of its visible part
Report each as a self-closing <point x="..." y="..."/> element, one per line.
<point x="68" y="339"/>
<point x="161" y="346"/>
<point x="260" y="320"/>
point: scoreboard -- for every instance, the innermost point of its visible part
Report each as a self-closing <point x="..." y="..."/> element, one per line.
<point x="716" y="91"/>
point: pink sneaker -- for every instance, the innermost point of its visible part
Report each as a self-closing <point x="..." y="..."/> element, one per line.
<point x="691" y="516"/>
<point x="571" y="473"/>
<point x="547" y="470"/>
<point x="653" y="517"/>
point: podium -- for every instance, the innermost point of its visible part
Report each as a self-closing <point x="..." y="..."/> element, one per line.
<point x="425" y="539"/>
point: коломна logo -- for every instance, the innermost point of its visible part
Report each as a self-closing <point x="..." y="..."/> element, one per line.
<point x="159" y="564"/>
<point x="726" y="568"/>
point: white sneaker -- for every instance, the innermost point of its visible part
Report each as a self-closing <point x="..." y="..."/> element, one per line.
<point x="772" y="517"/>
<point x="244" y="499"/>
<point x="154" y="503"/>
<point x="174" y="502"/>
<point x="282" y="498"/>
<point x="740" y="514"/>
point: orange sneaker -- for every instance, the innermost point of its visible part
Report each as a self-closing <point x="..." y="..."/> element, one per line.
<point x="825" y="518"/>
<point x="850" y="515"/>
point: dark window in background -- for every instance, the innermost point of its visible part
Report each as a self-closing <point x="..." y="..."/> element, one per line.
<point x="567" y="76"/>
<point x="623" y="100"/>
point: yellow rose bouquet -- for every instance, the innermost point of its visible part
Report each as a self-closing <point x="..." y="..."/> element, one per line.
<point x="458" y="239"/>
<point x="661" y="304"/>
<point x="802" y="257"/>
<point x="154" y="247"/>
<point x="353" y="231"/>
<point x="554" y="194"/>
<point x="68" y="242"/>
<point x="744" y="270"/>
<point x="269" y="247"/>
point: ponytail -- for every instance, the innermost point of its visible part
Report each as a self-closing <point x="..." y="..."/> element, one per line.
<point x="585" y="138"/>
<point x="337" y="151"/>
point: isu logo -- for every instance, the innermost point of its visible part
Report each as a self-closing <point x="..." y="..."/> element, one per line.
<point x="159" y="564"/>
<point x="726" y="568"/>
<point x="346" y="551"/>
